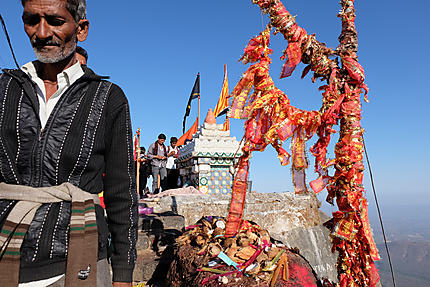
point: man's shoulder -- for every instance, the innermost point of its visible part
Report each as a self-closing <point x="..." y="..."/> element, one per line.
<point x="9" y="78"/>
<point x="116" y="96"/>
<point x="7" y="74"/>
<point x="117" y="99"/>
<point x="90" y="75"/>
<point x="115" y="89"/>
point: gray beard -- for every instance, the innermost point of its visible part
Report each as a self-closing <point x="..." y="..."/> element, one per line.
<point x="63" y="54"/>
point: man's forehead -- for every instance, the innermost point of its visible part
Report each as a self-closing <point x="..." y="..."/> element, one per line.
<point x="46" y="7"/>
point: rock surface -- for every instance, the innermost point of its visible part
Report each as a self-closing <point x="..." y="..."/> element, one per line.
<point x="276" y="212"/>
<point x="157" y="234"/>
<point x="314" y="244"/>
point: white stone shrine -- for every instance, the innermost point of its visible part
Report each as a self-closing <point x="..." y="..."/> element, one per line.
<point x="206" y="162"/>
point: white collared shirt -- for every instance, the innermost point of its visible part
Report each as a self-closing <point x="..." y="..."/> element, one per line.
<point x="171" y="159"/>
<point x="64" y="80"/>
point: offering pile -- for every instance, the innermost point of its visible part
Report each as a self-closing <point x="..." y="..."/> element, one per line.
<point x="204" y="256"/>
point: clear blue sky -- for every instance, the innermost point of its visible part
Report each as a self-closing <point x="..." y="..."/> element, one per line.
<point x="154" y="49"/>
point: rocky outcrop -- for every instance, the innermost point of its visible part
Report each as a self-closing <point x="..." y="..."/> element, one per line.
<point x="276" y="212"/>
<point x="293" y="219"/>
<point x="314" y="244"/>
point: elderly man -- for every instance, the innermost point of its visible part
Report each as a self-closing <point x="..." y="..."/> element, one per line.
<point x="61" y="128"/>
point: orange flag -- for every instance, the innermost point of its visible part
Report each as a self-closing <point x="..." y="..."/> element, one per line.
<point x="188" y="134"/>
<point x="226" y="125"/>
<point x="223" y="104"/>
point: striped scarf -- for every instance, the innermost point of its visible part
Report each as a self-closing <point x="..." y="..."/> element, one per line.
<point x="82" y="251"/>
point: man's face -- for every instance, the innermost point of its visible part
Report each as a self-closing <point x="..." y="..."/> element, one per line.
<point x="51" y="29"/>
<point x="161" y="141"/>
<point x="173" y="144"/>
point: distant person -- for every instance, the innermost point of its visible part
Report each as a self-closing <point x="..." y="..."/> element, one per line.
<point x="172" y="171"/>
<point x="81" y="55"/>
<point x="144" y="171"/>
<point x="157" y="153"/>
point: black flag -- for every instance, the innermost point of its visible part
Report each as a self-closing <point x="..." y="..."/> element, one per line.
<point x="195" y="93"/>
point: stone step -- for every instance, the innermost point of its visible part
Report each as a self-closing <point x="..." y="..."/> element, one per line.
<point x="161" y="221"/>
<point x="156" y="237"/>
<point x="146" y="263"/>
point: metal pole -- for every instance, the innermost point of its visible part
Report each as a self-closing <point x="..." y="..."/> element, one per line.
<point x="138" y="162"/>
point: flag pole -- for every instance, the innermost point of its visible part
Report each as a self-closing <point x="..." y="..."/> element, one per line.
<point x="198" y="74"/>
<point x="137" y="162"/>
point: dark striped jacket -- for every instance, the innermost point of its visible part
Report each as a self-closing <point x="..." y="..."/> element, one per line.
<point x="87" y="134"/>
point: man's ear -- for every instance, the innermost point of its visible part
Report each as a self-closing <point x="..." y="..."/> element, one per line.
<point x="82" y="30"/>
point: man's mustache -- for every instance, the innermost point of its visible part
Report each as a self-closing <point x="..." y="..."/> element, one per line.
<point x="39" y="43"/>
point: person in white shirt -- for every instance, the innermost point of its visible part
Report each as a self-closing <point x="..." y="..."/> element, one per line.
<point x="172" y="171"/>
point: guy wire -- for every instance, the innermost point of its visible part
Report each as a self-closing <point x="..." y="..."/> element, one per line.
<point x="379" y="213"/>
<point x="8" y="40"/>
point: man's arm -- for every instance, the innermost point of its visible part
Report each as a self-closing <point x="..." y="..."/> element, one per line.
<point x="120" y="188"/>
<point x="150" y="154"/>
